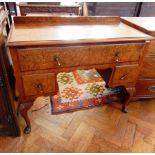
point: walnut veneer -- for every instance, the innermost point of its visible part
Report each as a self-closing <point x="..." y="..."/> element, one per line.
<point x="41" y="47"/>
<point x="145" y="86"/>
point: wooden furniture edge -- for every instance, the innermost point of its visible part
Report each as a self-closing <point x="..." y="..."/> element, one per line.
<point x="79" y="42"/>
<point x="149" y="32"/>
<point x="65" y="20"/>
<point x="45" y="5"/>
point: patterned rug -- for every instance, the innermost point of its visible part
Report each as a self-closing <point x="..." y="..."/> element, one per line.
<point x="80" y="89"/>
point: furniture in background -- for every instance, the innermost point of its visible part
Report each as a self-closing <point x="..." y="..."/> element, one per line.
<point x="10" y="10"/>
<point x="147" y="9"/>
<point x="50" y="8"/>
<point x="145" y="86"/>
<point x="8" y="120"/>
<point x="126" y="9"/>
<point x="70" y="43"/>
<point x="135" y="9"/>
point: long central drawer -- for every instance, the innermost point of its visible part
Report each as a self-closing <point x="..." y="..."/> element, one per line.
<point x="53" y="57"/>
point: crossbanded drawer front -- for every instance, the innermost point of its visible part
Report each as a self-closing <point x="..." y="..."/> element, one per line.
<point x="145" y="87"/>
<point x="125" y="74"/>
<point x="151" y="49"/>
<point x="38" y="84"/>
<point x="148" y="68"/>
<point x="57" y="57"/>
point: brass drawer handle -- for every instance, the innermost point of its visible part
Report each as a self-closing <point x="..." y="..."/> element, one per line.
<point x="39" y="87"/>
<point x="117" y="57"/>
<point x="151" y="88"/>
<point x="123" y="77"/>
<point x="57" y="59"/>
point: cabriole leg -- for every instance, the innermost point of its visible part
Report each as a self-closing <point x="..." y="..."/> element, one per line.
<point x="24" y="107"/>
<point x="125" y="97"/>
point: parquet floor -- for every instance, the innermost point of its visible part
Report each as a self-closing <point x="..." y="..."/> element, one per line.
<point x="100" y="129"/>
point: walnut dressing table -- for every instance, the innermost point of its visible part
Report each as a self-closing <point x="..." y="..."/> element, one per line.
<point x="41" y="47"/>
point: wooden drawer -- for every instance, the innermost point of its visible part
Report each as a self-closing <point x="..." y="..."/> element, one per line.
<point x="145" y="87"/>
<point x="53" y="57"/>
<point x="38" y="84"/>
<point x="151" y="49"/>
<point x="125" y="74"/>
<point x="148" y="68"/>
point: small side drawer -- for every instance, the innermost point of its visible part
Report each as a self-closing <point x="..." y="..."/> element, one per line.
<point x="148" y="68"/>
<point x="37" y="84"/>
<point x="125" y="74"/>
<point x="145" y="87"/>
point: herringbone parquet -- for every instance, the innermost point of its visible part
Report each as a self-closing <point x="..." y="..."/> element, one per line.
<point x="100" y="129"/>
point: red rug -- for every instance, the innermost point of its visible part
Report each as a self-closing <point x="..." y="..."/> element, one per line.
<point x="58" y="106"/>
<point x="80" y="89"/>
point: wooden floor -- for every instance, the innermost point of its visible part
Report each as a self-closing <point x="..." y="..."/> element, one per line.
<point x="100" y="129"/>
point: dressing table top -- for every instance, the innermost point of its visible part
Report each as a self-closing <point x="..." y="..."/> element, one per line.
<point x="47" y="30"/>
